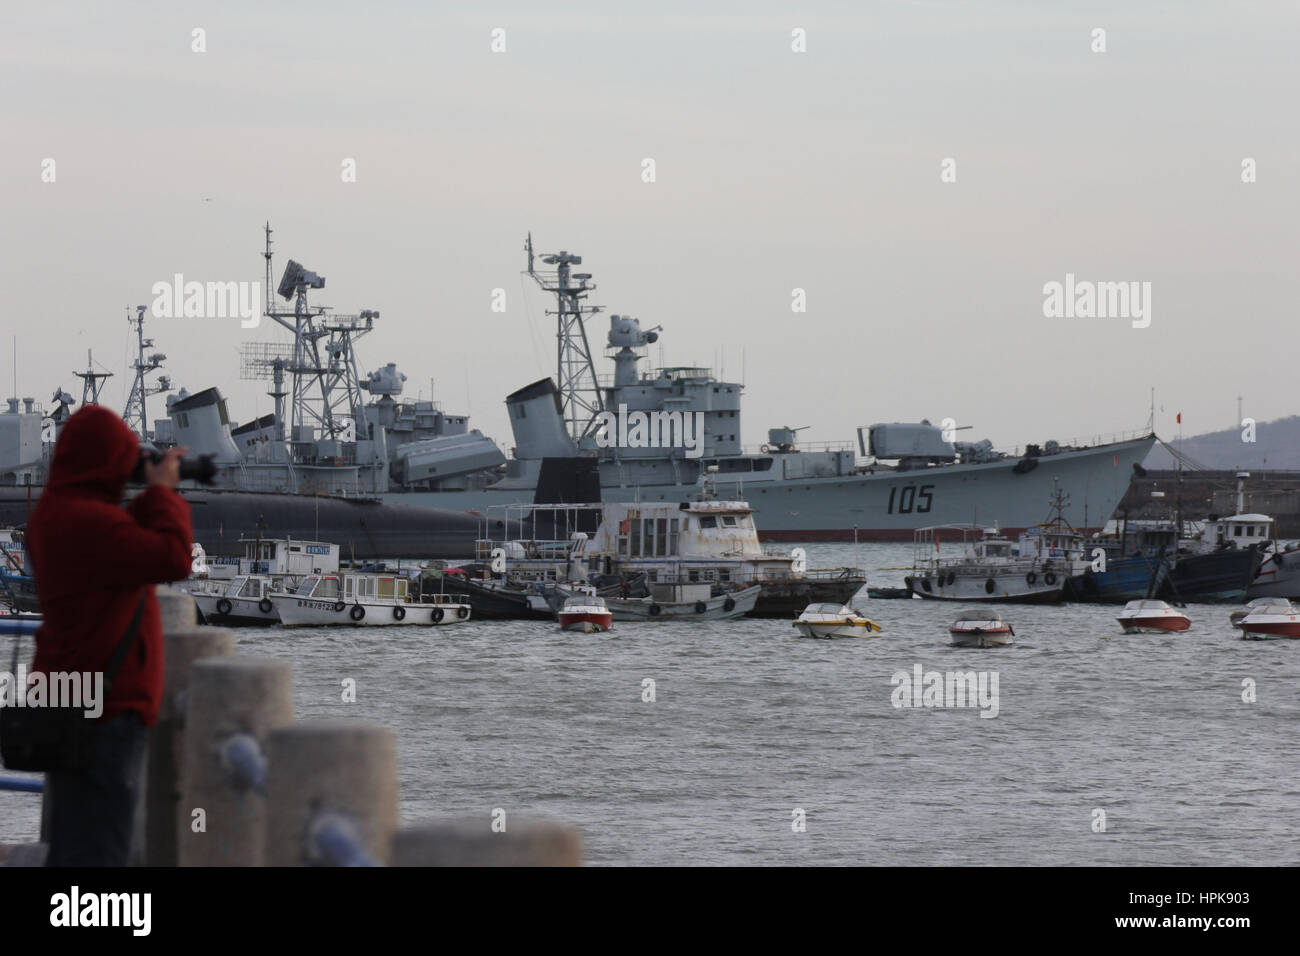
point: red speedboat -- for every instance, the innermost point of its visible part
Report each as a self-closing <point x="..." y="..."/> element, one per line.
<point x="1151" y="617"/>
<point x="1279" y="619"/>
<point x="587" y="613"/>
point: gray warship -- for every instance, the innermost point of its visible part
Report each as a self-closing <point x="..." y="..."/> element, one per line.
<point x="340" y="434"/>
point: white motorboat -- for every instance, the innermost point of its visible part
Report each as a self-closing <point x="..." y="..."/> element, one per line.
<point x="1270" y="621"/>
<point x="365" y="599"/>
<point x="585" y="611"/>
<point x="245" y="599"/>
<point x="1236" y="616"/>
<point x="834" y="620"/>
<point x="238" y="590"/>
<point x="981" y="629"/>
<point x="1152" y="617"/>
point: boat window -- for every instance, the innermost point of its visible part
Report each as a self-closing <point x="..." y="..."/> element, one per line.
<point x="1238" y="531"/>
<point x="724" y="575"/>
<point x="694" y="576"/>
<point x="329" y="587"/>
<point x="250" y="588"/>
<point x="308" y="583"/>
<point x="661" y="537"/>
<point x="636" y="537"/>
<point x="728" y="521"/>
<point x="386" y="588"/>
<point x="708" y="521"/>
<point x="672" y="536"/>
<point x="401" y="589"/>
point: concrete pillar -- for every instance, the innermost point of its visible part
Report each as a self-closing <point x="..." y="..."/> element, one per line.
<point x="473" y="843"/>
<point x="234" y="702"/>
<point x="182" y="646"/>
<point x="342" y="768"/>
<point x="177" y="609"/>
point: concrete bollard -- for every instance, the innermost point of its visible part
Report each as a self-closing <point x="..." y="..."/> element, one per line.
<point x="473" y="843"/>
<point x="235" y="703"/>
<point x="330" y="772"/>
<point x="177" y="609"/>
<point x="181" y="648"/>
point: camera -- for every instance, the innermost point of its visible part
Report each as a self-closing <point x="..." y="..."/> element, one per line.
<point x="201" y="469"/>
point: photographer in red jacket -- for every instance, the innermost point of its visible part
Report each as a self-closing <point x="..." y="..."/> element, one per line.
<point x="95" y="562"/>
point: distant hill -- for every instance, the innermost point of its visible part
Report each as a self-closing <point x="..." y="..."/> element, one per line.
<point x="1276" y="445"/>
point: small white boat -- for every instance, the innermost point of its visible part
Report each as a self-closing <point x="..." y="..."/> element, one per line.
<point x="246" y="599"/>
<point x="981" y="629"/>
<point x="834" y="620"/>
<point x="1152" y="617"/>
<point x="586" y="612"/>
<point x="1270" y="621"/>
<point x="1236" y="616"/>
<point x="364" y="599"/>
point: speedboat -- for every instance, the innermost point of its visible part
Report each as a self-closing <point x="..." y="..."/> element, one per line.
<point x="1273" y="620"/>
<point x="586" y="612"/>
<point x="981" y="629"/>
<point x="1236" y="616"/>
<point x="834" y="620"/>
<point x="1152" y="617"/>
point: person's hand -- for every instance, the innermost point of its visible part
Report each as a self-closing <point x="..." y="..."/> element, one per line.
<point x="168" y="471"/>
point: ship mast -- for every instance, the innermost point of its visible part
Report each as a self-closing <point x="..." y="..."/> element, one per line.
<point x="575" y="369"/>
<point x="92" y="382"/>
<point x="136" y="414"/>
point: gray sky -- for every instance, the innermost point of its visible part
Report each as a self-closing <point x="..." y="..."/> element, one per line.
<point x="775" y="170"/>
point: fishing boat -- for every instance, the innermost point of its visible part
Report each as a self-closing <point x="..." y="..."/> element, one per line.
<point x="1152" y="617"/>
<point x="364" y="599"/>
<point x="992" y="569"/>
<point x="585" y="611"/>
<point x="238" y="590"/>
<point x="678" y="602"/>
<point x="1271" y="621"/>
<point x="834" y="620"/>
<point x="981" y="629"/>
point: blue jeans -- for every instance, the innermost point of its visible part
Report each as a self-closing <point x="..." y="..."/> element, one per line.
<point x="92" y="811"/>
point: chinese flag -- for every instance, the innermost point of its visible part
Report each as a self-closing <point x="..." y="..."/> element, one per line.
<point x="1180" y="418"/>
<point x="624" y="526"/>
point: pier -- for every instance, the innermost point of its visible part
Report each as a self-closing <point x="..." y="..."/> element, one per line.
<point x="232" y="779"/>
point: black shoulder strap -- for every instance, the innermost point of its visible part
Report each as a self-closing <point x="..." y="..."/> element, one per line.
<point x="124" y="645"/>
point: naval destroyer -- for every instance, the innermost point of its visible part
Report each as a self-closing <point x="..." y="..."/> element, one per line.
<point x="338" y="432"/>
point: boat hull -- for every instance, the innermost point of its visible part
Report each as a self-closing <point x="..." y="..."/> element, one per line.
<point x="1153" y="625"/>
<point x="585" y="622"/>
<point x="307" y="612"/>
<point x="981" y="637"/>
<point x="830" y="631"/>
<point x="241" y="611"/>
<point x="1124" y="580"/>
<point x="726" y="607"/>
<point x="1220" y="576"/>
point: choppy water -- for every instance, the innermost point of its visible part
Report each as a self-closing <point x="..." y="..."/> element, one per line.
<point x="750" y="723"/>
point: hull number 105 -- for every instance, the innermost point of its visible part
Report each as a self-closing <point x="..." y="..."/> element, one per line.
<point x="907" y="499"/>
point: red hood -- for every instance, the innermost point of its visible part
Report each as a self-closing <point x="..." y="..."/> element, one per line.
<point x="95" y="452"/>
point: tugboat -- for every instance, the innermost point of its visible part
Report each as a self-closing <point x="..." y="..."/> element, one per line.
<point x="826" y="621"/>
<point x="1151" y="617"/>
<point x="981" y="629"/>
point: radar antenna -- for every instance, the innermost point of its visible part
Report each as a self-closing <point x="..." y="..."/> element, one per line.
<point x="136" y="414"/>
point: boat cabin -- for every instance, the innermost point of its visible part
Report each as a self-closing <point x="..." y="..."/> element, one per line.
<point x="355" y="588"/>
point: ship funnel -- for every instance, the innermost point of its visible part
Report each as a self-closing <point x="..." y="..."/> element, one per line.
<point x="537" y="420"/>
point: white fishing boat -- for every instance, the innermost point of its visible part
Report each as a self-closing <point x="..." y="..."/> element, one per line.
<point x="1271" y="621"/>
<point x="238" y="590"/>
<point x="365" y="599"/>
<point x="585" y="611"/>
<point x="981" y="629"/>
<point x="1152" y="617"/>
<point x="834" y="620"/>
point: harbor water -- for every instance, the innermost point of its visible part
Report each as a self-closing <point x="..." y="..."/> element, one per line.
<point x="760" y="747"/>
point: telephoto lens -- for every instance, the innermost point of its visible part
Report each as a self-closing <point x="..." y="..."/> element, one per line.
<point x="202" y="469"/>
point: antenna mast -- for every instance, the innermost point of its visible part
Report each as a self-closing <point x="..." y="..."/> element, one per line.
<point x="92" y="382"/>
<point x="575" y="369"/>
<point x="136" y="414"/>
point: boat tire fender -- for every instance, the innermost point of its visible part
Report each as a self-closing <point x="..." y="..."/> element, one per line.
<point x="1031" y="578"/>
<point x="437" y="615"/>
<point x="654" y="610"/>
<point x="1050" y="577"/>
<point x="700" y="607"/>
<point x="223" y="607"/>
<point x="729" y="604"/>
<point x="357" y="612"/>
<point x="338" y="607"/>
<point x="399" y="613"/>
<point x="989" y="586"/>
<point x="265" y="605"/>
<point x="462" y="612"/>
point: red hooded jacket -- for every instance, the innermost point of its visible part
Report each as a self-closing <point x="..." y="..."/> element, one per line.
<point x="94" y="559"/>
